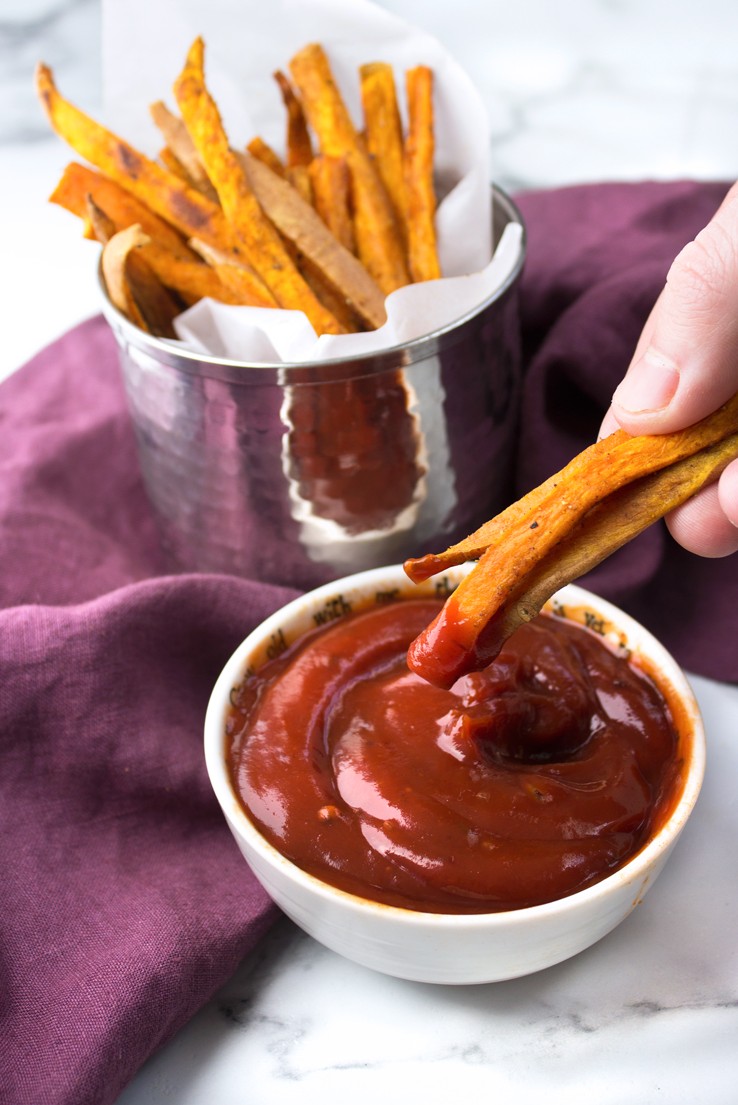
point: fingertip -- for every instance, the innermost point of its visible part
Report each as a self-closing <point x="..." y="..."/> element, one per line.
<point x="728" y="493"/>
<point x="701" y="525"/>
<point x="648" y="386"/>
<point x="647" y="399"/>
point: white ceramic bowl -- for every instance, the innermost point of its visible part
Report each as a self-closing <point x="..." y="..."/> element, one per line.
<point x="452" y="948"/>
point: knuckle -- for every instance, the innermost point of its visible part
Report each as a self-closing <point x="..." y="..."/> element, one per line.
<point x="697" y="272"/>
<point x="704" y="273"/>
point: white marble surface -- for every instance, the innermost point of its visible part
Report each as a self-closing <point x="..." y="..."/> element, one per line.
<point x="579" y="90"/>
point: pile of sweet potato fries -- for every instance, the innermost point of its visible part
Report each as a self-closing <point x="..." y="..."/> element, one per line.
<point x="345" y="217"/>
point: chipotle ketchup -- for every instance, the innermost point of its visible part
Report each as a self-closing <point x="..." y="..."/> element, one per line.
<point x="522" y="783"/>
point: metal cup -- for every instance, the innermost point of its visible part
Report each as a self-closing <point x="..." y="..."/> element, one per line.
<point x="299" y="473"/>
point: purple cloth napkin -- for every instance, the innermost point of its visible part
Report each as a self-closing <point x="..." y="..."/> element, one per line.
<point x="598" y="257"/>
<point x="125" y="903"/>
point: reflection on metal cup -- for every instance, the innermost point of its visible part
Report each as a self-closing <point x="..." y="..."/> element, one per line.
<point x="298" y="473"/>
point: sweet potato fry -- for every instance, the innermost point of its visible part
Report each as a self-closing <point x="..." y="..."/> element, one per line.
<point x="330" y="298"/>
<point x="134" y="281"/>
<point x="262" y="151"/>
<point x="196" y="280"/>
<point x="174" y="165"/>
<point x="133" y="289"/>
<point x="103" y="228"/>
<point x="519" y="549"/>
<point x="383" y="129"/>
<point x="298" y="143"/>
<point x="331" y="183"/>
<point x="252" y="231"/>
<point x="592" y="474"/>
<point x="153" y="262"/>
<point x="162" y="191"/>
<point x="378" y="237"/>
<point x="420" y="191"/>
<point x="603" y="530"/>
<point x="299" y="178"/>
<point x="243" y="282"/>
<point x="78" y="182"/>
<point x="301" y="225"/>
<point x="179" y="143"/>
<point x="114" y="258"/>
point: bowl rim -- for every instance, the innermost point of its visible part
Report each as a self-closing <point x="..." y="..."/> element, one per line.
<point x="635" y="871"/>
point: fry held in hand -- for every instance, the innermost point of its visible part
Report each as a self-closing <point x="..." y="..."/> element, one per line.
<point x="573" y="521"/>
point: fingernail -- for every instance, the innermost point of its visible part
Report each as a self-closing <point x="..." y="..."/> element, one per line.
<point x="650" y="385"/>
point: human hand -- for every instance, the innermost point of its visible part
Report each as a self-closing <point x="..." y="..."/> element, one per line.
<point x="685" y="366"/>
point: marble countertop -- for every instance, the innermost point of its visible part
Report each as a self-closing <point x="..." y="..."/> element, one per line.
<point x="582" y="90"/>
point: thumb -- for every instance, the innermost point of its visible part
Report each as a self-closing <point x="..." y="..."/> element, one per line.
<point x="686" y="362"/>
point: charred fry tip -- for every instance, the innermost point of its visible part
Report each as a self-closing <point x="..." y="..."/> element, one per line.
<point x="286" y="88"/>
<point x="99" y="222"/>
<point x="43" y="73"/>
<point x="45" y="86"/>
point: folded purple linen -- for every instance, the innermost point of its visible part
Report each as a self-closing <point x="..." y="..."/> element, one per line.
<point x="125" y="903"/>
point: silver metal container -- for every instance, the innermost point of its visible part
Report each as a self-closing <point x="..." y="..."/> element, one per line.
<point x="299" y="473"/>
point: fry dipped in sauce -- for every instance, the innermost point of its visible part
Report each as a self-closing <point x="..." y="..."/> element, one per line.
<point x="604" y="497"/>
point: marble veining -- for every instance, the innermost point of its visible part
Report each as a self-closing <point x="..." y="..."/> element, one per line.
<point x="66" y="31"/>
<point x="580" y="90"/>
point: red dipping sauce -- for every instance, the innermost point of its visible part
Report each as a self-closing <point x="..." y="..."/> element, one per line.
<point x="523" y="783"/>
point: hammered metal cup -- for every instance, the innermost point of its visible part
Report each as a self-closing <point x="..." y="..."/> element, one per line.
<point x="299" y="473"/>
